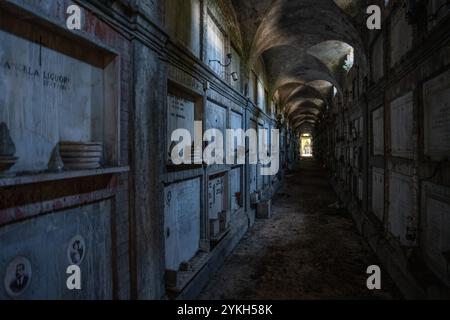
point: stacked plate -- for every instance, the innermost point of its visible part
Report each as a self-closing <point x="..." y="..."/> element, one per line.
<point x="81" y="155"/>
<point x="7" y="162"/>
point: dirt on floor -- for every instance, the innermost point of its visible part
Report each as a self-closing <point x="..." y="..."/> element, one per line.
<point x="307" y="250"/>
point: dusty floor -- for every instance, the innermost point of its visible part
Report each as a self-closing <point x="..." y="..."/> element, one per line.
<point x="306" y="251"/>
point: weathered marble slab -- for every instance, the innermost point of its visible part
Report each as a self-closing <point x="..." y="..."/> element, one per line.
<point x="378" y="59"/>
<point x="378" y="192"/>
<point x="47" y="96"/>
<point x="183" y="23"/>
<point x="436" y="99"/>
<point x="235" y="187"/>
<point x="216" y="197"/>
<point x="53" y="242"/>
<point x="436" y="232"/>
<point x="236" y="123"/>
<point x="180" y="115"/>
<point x="402" y="126"/>
<point x="182" y="222"/>
<point x="378" y="131"/>
<point x="216" y="117"/>
<point x="400" y="205"/>
<point x="401" y="36"/>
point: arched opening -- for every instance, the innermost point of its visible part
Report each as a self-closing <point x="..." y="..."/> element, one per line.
<point x="306" y="145"/>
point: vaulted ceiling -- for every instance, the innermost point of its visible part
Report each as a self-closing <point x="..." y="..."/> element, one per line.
<point x="303" y="44"/>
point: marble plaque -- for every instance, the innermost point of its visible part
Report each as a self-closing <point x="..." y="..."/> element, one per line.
<point x="46" y="96"/>
<point x="236" y="123"/>
<point x="401" y="36"/>
<point x="436" y="99"/>
<point x="378" y="192"/>
<point x="235" y="188"/>
<point x="436" y="232"/>
<point x="402" y="126"/>
<point x="216" y="197"/>
<point x="50" y="244"/>
<point x="378" y="59"/>
<point x="216" y="117"/>
<point x="378" y="131"/>
<point x="400" y="205"/>
<point x="181" y="222"/>
<point x="180" y="115"/>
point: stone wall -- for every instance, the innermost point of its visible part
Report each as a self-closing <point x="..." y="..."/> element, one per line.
<point x="127" y="66"/>
<point x="405" y="150"/>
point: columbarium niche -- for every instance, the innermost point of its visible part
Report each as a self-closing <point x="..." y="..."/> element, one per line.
<point x="68" y="89"/>
<point x="183" y="109"/>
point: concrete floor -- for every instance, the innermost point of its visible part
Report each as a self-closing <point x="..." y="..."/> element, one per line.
<point x="306" y="251"/>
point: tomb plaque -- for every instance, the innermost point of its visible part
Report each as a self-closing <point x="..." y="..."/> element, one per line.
<point x="46" y="97"/>
<point x="436" y="93"/>
<point x="400" y="206"/>
<point x="401" y="36"/>
<point x="236" y="123"/>
<point x="436" y="232"/>
<point x="215" y="197"/>
<point x="377" y="59"/>
<point x="216" y="117"/>
<point x="236" y="194"/>
<point x="180" y="115"/>
<point x="402" y="126"/>
<point x="378" y="192"/>
<point x="79" y="235"/>
<point x="378" y="131"/>
<point x="182" y="222"/>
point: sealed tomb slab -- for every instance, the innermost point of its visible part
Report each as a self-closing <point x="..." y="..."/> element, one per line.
<point x="216" y="196"/>
<point x="378" y="192"/>
<point x="435" y="228"/>
<point x="378" y="131"/>
<point x="235" y="189"/>
<point x="436" y="104"/>
<point x="400" y="206"/>
<point x="51" y="243"/>
<point x="401" y="36"/>
<point x="180" y="115"/>
<point x="402" y="126"/>
<point x="182" y="222"/>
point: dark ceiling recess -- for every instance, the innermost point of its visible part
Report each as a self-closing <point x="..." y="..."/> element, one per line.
<point x="304" y="45"/>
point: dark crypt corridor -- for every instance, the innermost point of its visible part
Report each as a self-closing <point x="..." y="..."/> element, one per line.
<point x="224" y="149"/>
<point x="269" y="264"/>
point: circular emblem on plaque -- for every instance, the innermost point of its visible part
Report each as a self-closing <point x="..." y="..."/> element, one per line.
<point x="18" y="276"/>
<point x="76" y="250"/>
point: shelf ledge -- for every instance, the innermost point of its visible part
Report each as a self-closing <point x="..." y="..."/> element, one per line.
<point x="39" y="177"/>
